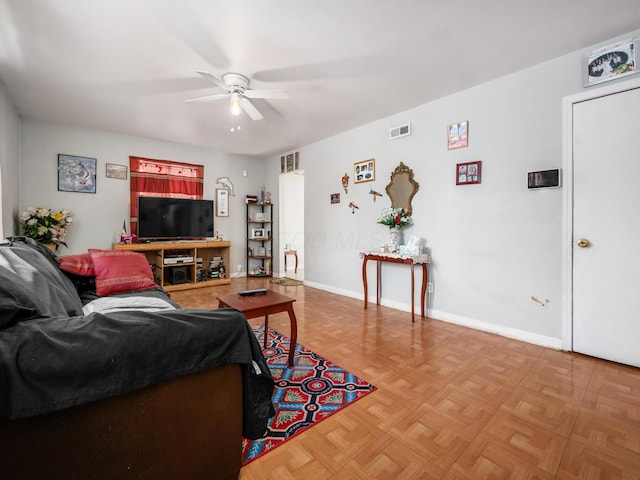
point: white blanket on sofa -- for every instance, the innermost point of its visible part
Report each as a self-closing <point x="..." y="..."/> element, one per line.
<point x="119" y="304"/>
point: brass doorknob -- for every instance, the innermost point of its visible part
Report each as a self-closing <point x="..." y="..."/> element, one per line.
<point x="584" y="243"/>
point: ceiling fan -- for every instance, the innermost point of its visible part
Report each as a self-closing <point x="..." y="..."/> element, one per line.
<point x="237" y="88"/>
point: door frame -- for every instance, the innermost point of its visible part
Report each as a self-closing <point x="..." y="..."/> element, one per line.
<point x="567" y="166"/>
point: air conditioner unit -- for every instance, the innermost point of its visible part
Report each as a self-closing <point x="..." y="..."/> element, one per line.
<point x="400" y="131"/>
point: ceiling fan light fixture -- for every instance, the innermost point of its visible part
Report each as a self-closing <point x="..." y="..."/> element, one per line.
<point x="235" y="104"/>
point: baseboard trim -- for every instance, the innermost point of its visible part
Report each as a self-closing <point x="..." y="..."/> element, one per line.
<point x="508" y="332"/>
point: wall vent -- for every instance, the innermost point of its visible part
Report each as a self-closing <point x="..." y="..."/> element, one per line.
<point x="400" y="131"/>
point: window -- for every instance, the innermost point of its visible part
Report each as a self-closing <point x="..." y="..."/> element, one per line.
<point x="163" y="178"/>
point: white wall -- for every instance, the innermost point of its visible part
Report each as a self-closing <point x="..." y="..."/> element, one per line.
<point x="496" y="247"/>
<point x="98" y="217"/>
<point x="9" y="153"/>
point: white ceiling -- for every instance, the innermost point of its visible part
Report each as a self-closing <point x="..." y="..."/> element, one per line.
<point x="127" y="66"/>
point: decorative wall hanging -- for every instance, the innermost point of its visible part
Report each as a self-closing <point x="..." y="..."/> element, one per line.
<point x="364" y="171"/>
<point x="222" y="202"/>
<point x="76" y="174"/>
<point x="226" y="183"/>
<point x="458" y="135"/>
<point x="467" y="173"/>
<point x="116" y="171"/>
<point x="374" y="194"/>
<point x="353" y="207"/>
<point x="290" y="162"/>
<point x="345" y="182"/>
<point x="611" y="62"/>
<point x="402" y="188"/>
<point x="335" y="198"/>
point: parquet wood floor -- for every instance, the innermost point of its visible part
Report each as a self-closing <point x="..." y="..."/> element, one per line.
<point x="452" y="403"/>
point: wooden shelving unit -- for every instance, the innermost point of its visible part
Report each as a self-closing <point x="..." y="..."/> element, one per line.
<point x="183" y="275"/>
<point x="259" y="239"/>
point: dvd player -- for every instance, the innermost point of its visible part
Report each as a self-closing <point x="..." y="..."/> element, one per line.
<point x="177" y="260"/>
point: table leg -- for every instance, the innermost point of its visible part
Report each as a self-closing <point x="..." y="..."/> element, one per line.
<point x="294" y="333"/>
<point x="364" y="281"/>
<point x="378" y="268"/>
<point x="266" y="329"/>
<point x="413" y="318"/>
<point x="425" y="279"/>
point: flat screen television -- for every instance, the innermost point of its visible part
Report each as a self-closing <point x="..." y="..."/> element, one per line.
<point x="161" y="218"/>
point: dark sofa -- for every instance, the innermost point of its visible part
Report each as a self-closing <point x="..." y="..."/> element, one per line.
<point x="120" y="391"/>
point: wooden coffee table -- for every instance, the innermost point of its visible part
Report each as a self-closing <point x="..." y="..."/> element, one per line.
<point x="265" y="304"/>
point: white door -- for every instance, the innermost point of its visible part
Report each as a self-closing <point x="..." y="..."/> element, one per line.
<point x="606" y="227"/>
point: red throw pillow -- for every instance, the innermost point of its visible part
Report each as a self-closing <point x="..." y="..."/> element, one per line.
<point x="81" y="264"/>
<point x="121" y="271"/>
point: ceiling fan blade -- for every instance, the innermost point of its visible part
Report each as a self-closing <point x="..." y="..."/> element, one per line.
<point x="252" y="111"/>
<point x="266" y="94"/>
<point x="208" y="98"/>
<point x="214" y="79"/>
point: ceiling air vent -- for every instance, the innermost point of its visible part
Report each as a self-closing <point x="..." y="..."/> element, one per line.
<point x="401" y="131"/>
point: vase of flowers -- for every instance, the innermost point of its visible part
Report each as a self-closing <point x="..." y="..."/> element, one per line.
<point x="395" y="219"/>
<point x="45" y="225"/>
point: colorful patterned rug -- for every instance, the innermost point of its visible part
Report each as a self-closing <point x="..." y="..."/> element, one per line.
<point x="304" y="395"/>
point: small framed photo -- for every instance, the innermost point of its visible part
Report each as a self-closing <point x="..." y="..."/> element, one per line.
<point x="76" y="174"/>
<point x="364" y="171"/>
<point x="222" y="202"/>
<point x="335" y="198"/>
<point x="611" y="62"/>
<point x="116" y="171"/>
<point x="258" y="233"/>
<point x="458" y="135"/>
<point x="468" y="173"/>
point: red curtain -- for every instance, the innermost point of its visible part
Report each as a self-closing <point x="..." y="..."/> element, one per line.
<point x="162" y="178"/>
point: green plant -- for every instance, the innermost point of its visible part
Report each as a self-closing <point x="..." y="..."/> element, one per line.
<point x="46" y="225"/>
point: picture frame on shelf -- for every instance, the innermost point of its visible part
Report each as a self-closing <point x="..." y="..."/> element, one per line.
<point x="116" y="171"/>
<point x="259" y="217"/>
<point x="364" y="171"/>
<point x="469" y="173"/>
<point x="611" y="62"/>
<point x="76" y="174"/>
<point x="222" y="202"/>
<point x="258" y="233"/>
<point x="458" y="135"/>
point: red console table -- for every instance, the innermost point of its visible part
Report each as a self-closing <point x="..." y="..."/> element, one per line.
<point x="412" y="260"/>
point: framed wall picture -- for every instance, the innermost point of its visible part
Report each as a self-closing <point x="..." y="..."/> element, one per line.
<point x="468" y="173"/>
<point x="222" y="202"/>
<point x="258" y="233"/>
<point x="611" y="62"/>
<point x="458" y="135"/>
<point x="364" y="171"/>
<point x="76" y="174"/>
<point x="335" y="198"/>
<point x="116" y="171"/>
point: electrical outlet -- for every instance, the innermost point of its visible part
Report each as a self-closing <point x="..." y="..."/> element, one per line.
<point x="239" y="267"/>
<point x="429" y="287"/>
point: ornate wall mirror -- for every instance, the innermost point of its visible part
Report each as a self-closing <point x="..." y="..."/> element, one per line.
<point x="402" y="188"/>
